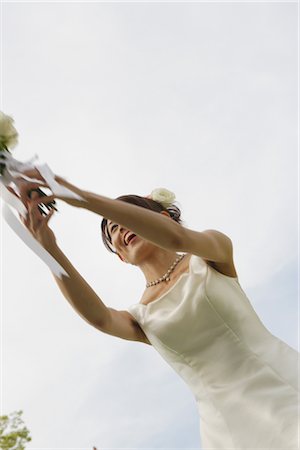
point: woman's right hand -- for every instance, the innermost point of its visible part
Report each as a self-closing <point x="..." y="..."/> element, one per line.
<point x="36" y="222"/>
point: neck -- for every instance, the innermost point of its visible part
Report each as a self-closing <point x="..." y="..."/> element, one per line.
<point x="157" y="264"/>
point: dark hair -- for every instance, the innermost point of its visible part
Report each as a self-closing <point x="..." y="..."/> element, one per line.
<point x="144" y="202"/>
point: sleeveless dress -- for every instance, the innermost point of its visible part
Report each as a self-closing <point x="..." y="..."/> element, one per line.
<point x="243" y="378"/>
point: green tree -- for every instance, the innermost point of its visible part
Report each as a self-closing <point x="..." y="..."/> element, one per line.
<point x="13" y="433"/>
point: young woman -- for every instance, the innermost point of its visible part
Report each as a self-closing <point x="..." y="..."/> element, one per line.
<point x="193" y="311"/>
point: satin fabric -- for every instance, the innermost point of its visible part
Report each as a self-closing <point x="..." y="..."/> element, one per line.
<point x="244" y="379"/>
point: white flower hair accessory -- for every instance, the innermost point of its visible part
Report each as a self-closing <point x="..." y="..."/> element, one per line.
<point x="163" y="196"/>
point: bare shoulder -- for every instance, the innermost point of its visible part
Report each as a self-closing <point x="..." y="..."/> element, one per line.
<point x="227" y="266"/>
<point x="123" y="325"/>
<point x="211" y="245"/>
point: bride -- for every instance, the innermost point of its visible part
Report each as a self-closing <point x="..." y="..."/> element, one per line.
<point x="193" y="311"/>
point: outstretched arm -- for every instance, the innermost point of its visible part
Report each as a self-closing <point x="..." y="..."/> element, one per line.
<point x="90" y="307"/>
<point x="75" y="289"/>
<point x="211" y="245"/>
<point x="156" y="228"/>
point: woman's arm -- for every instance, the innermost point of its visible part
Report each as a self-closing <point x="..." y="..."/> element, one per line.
<point x="212" y="245"/>
<point x="90" y="307"/>
<point x="156" y="228"/>
<point x="78" y="292"/>
<point x="74" y="288"/>
<point x="162" y="231"/>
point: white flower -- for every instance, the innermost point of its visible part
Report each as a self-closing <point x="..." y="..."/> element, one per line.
<point x="163" y="196"/>
<point x="8" y="133"/>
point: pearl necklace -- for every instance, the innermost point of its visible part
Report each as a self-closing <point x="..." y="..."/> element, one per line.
<point x="166" y="276"/>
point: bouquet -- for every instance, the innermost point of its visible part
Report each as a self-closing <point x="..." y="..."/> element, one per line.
<point x="14" y="171"/>
<point x="9" y="140"/>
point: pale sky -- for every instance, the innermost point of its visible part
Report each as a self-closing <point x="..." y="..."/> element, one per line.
<point x="199" y="98"/>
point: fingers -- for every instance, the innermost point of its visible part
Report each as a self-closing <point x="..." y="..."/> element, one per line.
<point x="33" y="212"/>
<point x="26" y="188"/>
<point x="48" y="217"/>
<point x="24" y="195"/>
<point x="25" y="221"/>
<point x="10" y="189"/>
<point x="33" y="173"/>
<point x="34" y="195"/>
<point x="36" y="218"/>
<point x="45" y="199"/>
<point x="33" y="201"/>
<point x="23" y="182"/>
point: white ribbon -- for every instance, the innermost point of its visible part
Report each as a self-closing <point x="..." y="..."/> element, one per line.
<point x="14" y="169"/>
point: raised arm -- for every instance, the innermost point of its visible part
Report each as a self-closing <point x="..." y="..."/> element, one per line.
<point x="151" y="226"/>
<point x="75" y="289"/>
<point x="211" y="245"/>
<point x="90" y="307"/>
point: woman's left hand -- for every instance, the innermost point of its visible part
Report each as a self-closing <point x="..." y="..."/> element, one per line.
<point x="26" y="186"/>
<point x="26" y="189"/>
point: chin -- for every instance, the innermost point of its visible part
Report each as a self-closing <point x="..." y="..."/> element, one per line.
<point x="141" y="253"/>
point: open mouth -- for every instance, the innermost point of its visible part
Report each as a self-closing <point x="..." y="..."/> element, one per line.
<point x="132" y="239"/>
<point x="129" y="238"/>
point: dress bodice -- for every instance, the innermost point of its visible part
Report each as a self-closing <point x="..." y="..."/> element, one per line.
<point x="241" y="375"/>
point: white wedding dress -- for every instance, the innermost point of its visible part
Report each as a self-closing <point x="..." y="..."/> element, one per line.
<point x="244" y="379"/>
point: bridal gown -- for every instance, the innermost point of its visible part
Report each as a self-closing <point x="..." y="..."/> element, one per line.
<point x="244" y="379"/>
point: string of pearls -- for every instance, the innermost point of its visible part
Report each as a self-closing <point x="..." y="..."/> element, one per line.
<point x="166" y="276"/>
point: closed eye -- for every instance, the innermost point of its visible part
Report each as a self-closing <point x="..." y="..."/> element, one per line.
<point x="113" y="227"/>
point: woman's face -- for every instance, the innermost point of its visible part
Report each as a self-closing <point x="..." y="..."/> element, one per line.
<point x="129" y="246"/>
<point x="126" y="243"/>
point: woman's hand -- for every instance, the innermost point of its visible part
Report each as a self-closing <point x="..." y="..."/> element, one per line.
<point x="26" y="187"/>
<point x="34" y="173"/>
<point x="36" y="222"/>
